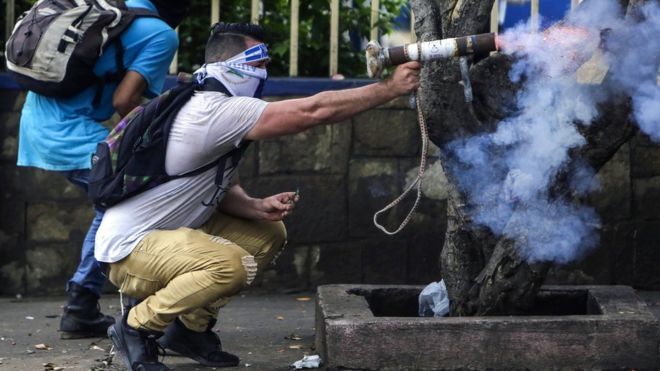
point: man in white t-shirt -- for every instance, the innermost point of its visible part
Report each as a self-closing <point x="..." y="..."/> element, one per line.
<point x="186" y="246"/>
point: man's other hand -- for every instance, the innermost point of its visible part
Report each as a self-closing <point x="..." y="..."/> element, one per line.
<point x="278" y="206"/>
<point x="405" y="78"/>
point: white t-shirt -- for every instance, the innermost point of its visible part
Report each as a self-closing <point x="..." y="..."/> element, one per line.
<point x="208" y="126"/>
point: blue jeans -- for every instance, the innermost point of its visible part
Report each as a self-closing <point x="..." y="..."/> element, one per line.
<point x="89" y="274"/>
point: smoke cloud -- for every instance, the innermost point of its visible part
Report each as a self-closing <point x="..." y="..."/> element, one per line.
<point x="507" y="174"/>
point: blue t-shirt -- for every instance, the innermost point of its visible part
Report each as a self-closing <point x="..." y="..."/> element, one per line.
<point x="61" y="134"/>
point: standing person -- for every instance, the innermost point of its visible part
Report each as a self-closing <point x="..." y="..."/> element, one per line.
<point x="185" y="246"/>
<point x="60" y="134"/>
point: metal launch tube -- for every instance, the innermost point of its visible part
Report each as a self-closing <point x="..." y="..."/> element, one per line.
<point x="378" y="58"/>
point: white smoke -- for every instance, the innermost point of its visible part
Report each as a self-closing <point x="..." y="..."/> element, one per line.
<point x="507" y="174"/>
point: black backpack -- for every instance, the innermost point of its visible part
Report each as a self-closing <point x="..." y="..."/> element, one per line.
<point x="55" y="45"/>
<point x="131" y="159"/>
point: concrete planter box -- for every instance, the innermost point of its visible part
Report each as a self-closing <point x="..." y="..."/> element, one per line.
<point x="573" y="327"/>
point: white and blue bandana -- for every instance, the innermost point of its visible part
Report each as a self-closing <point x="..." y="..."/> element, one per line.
<point x="236" y="74"/>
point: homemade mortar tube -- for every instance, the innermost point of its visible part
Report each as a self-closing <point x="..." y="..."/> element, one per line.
<point x="378" y="58"/>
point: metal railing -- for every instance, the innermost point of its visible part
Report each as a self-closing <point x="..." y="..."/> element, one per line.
<point x="256" y="10"/>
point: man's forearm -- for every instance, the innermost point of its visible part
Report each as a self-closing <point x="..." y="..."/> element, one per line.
<point x="238" y="203"/>
<point x="336" y="106"/>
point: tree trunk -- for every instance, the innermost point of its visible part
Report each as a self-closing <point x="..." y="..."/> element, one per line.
<point x="483" y="272"/>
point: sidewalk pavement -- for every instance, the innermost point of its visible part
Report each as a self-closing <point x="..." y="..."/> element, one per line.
<point x="267" y="331"/>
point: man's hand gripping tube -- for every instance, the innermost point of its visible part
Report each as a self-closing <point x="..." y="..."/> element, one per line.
<point x="378" y="58"/>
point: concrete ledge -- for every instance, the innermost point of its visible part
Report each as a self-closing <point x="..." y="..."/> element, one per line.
<point x="274" y="87"/>
<point x="617" y="330"/>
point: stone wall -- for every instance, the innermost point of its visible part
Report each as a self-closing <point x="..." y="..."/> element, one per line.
<point x="344" y="173"/>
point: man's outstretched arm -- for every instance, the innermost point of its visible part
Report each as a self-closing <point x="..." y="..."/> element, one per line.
<point x="295" y="115"/>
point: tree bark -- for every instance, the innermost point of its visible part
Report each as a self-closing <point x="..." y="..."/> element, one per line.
<point x="483" y="273"/>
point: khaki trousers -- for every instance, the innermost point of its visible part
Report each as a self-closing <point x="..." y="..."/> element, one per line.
<point x="191" y="273"/>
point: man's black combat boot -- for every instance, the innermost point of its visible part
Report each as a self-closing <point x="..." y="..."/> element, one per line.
<point x="136" y="348"/>
<point x="204" y="347"/>
<point x="82" y="317"/>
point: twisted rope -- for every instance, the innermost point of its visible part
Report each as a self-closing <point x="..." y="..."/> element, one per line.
<point x="416" y="183"/>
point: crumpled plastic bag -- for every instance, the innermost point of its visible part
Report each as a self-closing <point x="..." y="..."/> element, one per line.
<point x="313" y="361"/>
<point x="434" y="300"/>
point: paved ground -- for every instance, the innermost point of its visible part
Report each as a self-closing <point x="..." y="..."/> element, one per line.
<point x="268" y="332"/>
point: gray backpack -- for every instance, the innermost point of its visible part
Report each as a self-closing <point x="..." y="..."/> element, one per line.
<point x="55" y="45"/>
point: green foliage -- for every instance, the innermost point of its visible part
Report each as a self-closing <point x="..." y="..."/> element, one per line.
<point x="314" y="41"/>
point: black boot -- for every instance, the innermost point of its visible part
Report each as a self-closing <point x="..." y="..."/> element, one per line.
<point x="138" y="349"/>
<point x="204" y="347"/>
<point x="82" y="317"/>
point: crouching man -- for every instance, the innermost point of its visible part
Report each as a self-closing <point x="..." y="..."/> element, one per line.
<point x="186" y="246"/>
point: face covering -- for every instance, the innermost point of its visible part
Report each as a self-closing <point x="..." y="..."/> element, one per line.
<point x="236" y="74"/>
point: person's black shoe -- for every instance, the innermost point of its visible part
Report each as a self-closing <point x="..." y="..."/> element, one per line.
<point x="203" y="347"/>
<point x="82" y="317"/>
<point x="138" y="349"/>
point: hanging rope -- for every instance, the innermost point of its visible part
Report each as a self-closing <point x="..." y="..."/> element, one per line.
<point x="417" y="183"/>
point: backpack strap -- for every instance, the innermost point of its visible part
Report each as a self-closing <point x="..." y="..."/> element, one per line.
<point x="211" y="84"/>
<point x="235" y="156"/>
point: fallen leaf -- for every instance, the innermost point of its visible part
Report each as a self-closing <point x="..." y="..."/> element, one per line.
<point x="304" y="298"/>
<point x="297" y="346"/>
<point x="29" y="317"/>
<point x="293" y="337"/>
<point x="42" y="347"/>
<point x="280" y="318"/>
<point x="96" y="347"/>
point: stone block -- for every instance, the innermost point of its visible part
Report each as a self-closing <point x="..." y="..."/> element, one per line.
<point x="611" y="262"/>
<point x="11" y="100"/>
<point x="58" y="222"/>
<point x="377" y="328"/>
<point x="337" y="263"/>
<point x="612" y="201"/>
<point x="323" y="149"/>
<point x="646" y="196"/>
<point x="12" y="212"/>
<point x="435" y="185"/>
<point x="386" y="133"/>
<point x="383" y="260"/>
<point x="50" y="266"/>
<point x="645" y="161"/>
<point x="425" y="243"/>
<point x="320" y="216"/>
<point x="647" y="256"/>
<point x="642" y="140"/>
<point x="595" y="267"/>
<point x="11" y="247"/>
<point x="9" y="136"/>
<point x="249" y="165"/>
<point x="12" y="276"/>
<point x="621" y="249"/>
<point x="290" y="271"/>
<point x="372" y="184"/>
<point x="38" y="185"/>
